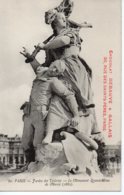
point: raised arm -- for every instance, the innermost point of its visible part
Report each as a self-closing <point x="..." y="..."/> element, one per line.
<point x="34" y="63"/>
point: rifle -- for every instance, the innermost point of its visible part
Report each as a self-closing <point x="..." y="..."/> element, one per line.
<point x="71" y="23"/>
<point x="37" y="49"/>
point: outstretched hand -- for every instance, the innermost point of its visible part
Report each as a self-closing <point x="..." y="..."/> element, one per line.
<point x="25" y="52"/>
<point x="99" y="137"/>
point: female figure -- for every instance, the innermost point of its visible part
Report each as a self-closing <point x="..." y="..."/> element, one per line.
<point x="66" y="46"/>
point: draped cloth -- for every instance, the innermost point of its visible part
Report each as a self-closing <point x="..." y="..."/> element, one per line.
<point x="79" y="78"/>
<point x="76" y="73"/>
<point x="80" y="158"/>
<point x="76" y="152"/>
<point x="78" y="155"/>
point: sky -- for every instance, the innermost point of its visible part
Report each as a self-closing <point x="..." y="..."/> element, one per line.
<point x="22" y="24"/>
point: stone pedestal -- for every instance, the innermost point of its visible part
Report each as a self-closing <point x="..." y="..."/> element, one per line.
<point x="50" y="159"/>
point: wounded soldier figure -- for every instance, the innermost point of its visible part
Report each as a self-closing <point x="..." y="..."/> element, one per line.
<point x="44" y="87"/>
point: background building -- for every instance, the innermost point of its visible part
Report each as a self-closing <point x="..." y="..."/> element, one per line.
<point x="12" y="155"/>
<point x="11" y="152"/>
<point x="113" y="159"/>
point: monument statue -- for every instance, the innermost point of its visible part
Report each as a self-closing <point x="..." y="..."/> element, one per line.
<point x="60" y="126"/>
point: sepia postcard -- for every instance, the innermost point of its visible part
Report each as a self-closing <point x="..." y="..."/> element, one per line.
<point x="60" y="95"/>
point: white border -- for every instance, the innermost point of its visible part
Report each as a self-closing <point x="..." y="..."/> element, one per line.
<point x="122" y="182"/>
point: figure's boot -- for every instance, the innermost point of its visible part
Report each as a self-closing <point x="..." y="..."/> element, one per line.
<point x="30" y="157"/>
<point x="48" y="138"/>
